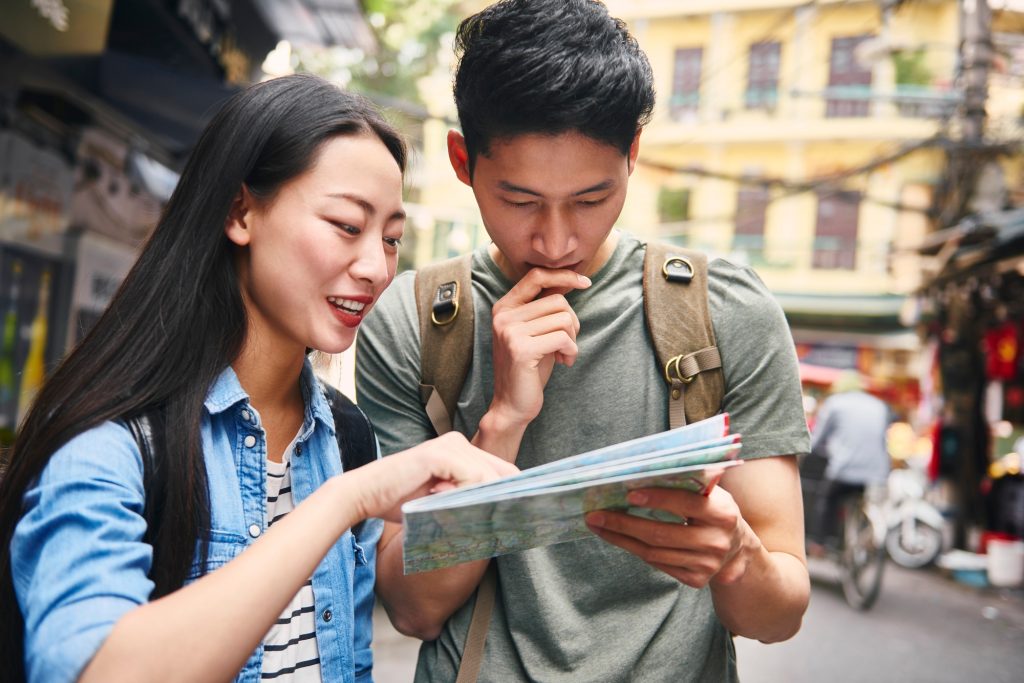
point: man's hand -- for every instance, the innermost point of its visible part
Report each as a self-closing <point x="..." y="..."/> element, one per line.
<point x="534" y="327"/>
<point x="716" y="544"/>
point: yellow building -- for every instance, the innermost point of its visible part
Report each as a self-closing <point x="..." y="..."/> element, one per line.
<point x="801" y="137"/>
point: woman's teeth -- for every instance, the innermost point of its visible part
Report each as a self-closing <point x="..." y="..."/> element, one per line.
<point x="347" y="305"/>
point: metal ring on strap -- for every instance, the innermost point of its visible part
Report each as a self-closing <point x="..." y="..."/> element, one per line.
<point x="673" y="264"/>
<point x="447" y="321"/>
<point x="672" y="371"/>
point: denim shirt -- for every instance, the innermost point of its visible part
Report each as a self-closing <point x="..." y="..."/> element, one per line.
<point x="79" y="562"/>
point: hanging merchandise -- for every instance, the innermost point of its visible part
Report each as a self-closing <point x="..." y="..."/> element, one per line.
<point x="35" y="363"/>
<point x="1002" y="348"/>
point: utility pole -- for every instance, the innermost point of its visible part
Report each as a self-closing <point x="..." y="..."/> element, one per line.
<point x="967" y="158"/>
<point x="976" y="56"/>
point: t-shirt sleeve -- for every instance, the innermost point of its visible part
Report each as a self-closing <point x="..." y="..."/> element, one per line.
<point x="762" y="379"/>
<point x="78" y="559"/>
<point x="388" y="369"/>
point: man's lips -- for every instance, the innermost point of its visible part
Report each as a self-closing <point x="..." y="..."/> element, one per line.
<point x="576" y="265"/>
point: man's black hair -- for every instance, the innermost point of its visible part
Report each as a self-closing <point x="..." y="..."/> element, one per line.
<point x="550" y="67"/>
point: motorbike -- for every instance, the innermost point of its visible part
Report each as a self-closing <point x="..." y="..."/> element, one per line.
<point x="914" y="536"/>
<point x="860" y="554"/>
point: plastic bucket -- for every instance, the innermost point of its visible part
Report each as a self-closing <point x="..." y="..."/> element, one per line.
<point x="1005" y="562"/>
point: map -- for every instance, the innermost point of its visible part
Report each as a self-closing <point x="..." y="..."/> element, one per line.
<point x="546" y="504"/>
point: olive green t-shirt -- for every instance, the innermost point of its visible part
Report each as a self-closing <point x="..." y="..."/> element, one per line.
<point x="587" y="610"/>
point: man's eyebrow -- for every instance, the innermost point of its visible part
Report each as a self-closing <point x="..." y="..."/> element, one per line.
<point x="366" y="206"/>
<point x="509" y="187"/>
<point x="603" y="185"/>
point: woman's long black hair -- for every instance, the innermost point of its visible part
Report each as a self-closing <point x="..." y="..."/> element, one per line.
<point x="178" y="321"/>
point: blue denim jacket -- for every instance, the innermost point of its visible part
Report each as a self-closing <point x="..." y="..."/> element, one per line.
<point x="79" y="562"/>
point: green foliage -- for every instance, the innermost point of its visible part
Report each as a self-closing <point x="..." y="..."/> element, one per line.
<point x="911" y="69"/>
<point x="409" y="35"/>
<point x="673" y="205"/>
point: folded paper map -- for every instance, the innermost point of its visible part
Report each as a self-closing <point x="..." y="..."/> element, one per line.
<point x="546" y="504"/>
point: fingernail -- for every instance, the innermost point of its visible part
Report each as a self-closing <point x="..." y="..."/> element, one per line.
<point x="597" y="519"/>
<point x="584" y="280"/>
<point x="637" y="498"/>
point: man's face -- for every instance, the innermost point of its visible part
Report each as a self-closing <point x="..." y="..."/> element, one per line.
<point x="548" y="201"/>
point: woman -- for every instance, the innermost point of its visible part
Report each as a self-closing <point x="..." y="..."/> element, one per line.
<point x="283" y="231"/>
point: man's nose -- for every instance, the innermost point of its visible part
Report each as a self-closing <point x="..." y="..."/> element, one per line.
<point x="555" y="237"/>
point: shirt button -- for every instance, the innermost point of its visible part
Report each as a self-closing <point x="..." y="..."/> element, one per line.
<point x="246" y="415"/>
<point x="255" y="530"/>
<point x="249" y="441"/>
<point x="327" y="615"/>
<point x="298" y="449"/>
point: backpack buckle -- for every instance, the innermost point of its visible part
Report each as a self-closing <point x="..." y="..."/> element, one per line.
<point x="673" y="373"/>
<point x="446" y="304"/>
<point x="677" y="269"/>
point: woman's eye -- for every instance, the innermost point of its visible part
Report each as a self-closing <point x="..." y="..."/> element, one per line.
<point x="345" y="227"/>
<point x="395" y="242"/>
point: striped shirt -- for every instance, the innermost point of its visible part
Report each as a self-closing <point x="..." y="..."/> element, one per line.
<point x="289" y="649"/>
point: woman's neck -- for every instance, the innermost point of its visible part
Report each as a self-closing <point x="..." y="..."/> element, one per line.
<point x="273" y="384"/>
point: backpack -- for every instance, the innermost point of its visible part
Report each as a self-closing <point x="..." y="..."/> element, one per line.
<point x="357" y="444"/>
<point x="675" y="297"/>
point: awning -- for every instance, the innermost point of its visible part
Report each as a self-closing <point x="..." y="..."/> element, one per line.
<point x="856" y="312"/>
<point x="318" y="22"/>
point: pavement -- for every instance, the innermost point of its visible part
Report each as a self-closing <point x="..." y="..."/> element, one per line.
<point x="926" y="626"/>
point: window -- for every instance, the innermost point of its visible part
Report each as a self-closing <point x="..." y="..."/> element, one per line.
<point x="835" y="237"/>
<point x="848" y="80"/>
<point x="686" y="82"/>
<point x="751" y="209"/>
<point x="763" y="76"/>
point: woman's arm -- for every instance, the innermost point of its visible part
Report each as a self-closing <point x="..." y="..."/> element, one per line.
<point x="206" y="631"/>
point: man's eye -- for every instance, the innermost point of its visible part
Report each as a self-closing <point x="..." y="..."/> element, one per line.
<point x="518" y="205"/>
<point x="591" y="202"/>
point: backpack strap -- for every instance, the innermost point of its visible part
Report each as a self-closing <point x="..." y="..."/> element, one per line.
<point x="444" y="302"/>
<point x="676" y="310"/>
<point x="357" y="441"/>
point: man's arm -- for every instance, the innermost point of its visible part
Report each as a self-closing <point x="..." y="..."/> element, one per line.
<point x="530" y="335"/>
<point x="745" y="539"/>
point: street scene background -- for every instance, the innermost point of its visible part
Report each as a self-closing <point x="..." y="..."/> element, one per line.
<point x="863" y="156"/>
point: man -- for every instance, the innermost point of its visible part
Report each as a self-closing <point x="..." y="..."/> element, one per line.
<point x="850" y="433"/>
<point x="552" y="96"/>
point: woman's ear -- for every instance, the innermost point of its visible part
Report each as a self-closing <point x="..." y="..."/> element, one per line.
<point x="237" y="225"/>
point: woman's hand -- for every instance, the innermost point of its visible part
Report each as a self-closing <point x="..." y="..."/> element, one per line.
<point x="447" y="462"/>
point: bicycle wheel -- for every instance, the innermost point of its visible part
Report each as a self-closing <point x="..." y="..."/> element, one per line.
<point x="862" y="560"/>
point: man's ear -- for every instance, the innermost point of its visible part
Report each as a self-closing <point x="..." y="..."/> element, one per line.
<point x="237" y="224"/>
<point x="634" y="150"/>
<point x="459" y="156"/>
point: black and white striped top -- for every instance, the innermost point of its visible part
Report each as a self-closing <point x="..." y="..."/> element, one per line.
<point x="289" y="649"/>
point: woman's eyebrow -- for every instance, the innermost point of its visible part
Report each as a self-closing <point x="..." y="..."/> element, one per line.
<point x="366" y="206"/>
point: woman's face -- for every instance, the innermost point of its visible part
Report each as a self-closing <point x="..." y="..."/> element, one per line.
<point x="315" y="257"/>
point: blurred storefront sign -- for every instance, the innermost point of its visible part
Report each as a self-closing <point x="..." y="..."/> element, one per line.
<point x="101" y="264"/>
<point x="47" y="28"/>
<point x="35" y="194"/>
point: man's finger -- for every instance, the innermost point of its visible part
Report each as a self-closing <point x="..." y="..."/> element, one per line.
<point x="539" y="279"/>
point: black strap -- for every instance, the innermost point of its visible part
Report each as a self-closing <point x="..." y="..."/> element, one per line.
<point x="357" y="444"/>
<point x="356" y="439"/>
